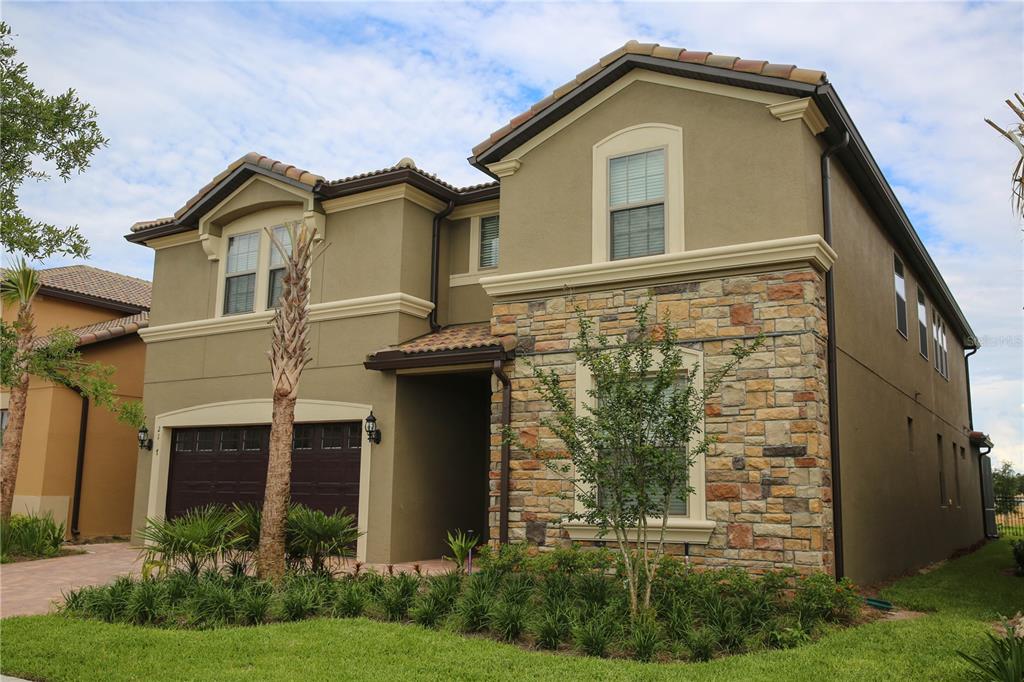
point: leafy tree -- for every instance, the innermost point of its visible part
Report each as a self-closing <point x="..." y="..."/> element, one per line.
<point x="631" y="449"/>
<point x="38" y="128"/>
<point x="1015" y="134"/>
<point x="1006" y="485"/>
<point x="289" y="354"/>
<point x="54" y="358"/>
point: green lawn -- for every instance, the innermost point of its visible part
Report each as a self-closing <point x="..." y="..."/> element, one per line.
<point x="963" y="594"/>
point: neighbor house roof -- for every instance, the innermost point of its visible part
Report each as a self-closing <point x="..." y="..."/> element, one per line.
<point x="106" y="330"/>
<point x="457" y="344"/>
<point x="87" y="284"/>
<point x="718" y="61"/>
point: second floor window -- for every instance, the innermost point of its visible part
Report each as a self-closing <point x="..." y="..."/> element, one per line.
<point x="940" y="345"/>
<point x="489" y="241"/>
<point x="922" y="323"/>
<point x="636" y="199"/>
<point x="240" y="273"/>
<point x="275" y="282"/>
<point x="901" y="296"/>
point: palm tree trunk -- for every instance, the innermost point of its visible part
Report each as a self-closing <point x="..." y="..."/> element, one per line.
<point x="10" y="453"/>
<point x="271" y="558"/>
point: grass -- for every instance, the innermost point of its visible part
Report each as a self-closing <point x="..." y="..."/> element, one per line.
<point x="963" y="594"/>
<point x="19" y="558"/>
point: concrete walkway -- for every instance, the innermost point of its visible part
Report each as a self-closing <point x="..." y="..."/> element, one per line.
<point x="31" y="587"/>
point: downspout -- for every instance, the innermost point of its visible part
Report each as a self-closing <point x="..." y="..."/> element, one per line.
<point x="830" y="322"/>
<point x="83" y="427"/>
<point x="435" y="262"/>
<point x="967" y="377"/>
<point x="506" y="450"/>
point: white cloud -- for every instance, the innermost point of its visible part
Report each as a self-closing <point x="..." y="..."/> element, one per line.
<point x="339" y="89"/>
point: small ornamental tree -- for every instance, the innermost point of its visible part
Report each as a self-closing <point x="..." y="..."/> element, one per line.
<point x="630" y="451"/>
<point x="289" y="354"/>
<point x="55" y="358"/>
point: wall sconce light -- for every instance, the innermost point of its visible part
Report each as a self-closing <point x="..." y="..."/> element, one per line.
<point x="145" y="442"/>
<point x="372" y="432"/>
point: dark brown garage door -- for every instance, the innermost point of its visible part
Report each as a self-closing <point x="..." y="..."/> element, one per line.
<point x="228" y="464"/>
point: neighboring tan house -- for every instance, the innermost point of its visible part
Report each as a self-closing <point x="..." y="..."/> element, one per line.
<point x="691" y="180"/>
<point x="77" y="460"/>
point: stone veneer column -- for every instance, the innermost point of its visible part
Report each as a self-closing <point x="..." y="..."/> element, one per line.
<point x="768" y="478"/>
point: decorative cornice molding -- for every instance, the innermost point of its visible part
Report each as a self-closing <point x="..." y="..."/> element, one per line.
<point x="397" y="302"/>
<point x="767" y="255"/>
<point x="805" y="109"/>
<point x="382" y="194"/>
<point x="505" y="168"/>
<point x="677" y="530"/>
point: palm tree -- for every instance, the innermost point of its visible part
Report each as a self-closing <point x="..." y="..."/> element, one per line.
<point x="289" y="354"/>
<point x="19" y="286"/>
<point x="1015" y="134"/>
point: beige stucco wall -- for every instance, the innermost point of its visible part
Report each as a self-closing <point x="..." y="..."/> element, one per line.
<point x="892" y="518"/>
<point x="51" y="312"/>
<point x="743" y="176"/>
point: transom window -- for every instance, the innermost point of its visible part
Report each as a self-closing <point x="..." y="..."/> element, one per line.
<point x="240" y="270"/>
<point x="276" y="278"/>
<point x="922" y="323"/>
<point x="489" y="232"/>
<point x="636" y="199"/>
<point x="901" y="296"/>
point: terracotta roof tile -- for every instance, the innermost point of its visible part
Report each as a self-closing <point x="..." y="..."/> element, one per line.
<point x="90" y="281"/>
<point x="755" y="66"/>
<point x="409" y="164"/>
<point x="457" y="337"/>
<point x="108" y="329"/>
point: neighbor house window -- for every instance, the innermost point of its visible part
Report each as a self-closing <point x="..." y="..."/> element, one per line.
<point x="489" y="241"/>
<point x="240" y="273"/>
<point x="956" y="476"/>
<point x="275" y="282"/>
<point x="636" y="199"/>
<point x="910" y="436"/>
<point x="922" y="323"/>
<point x="940" y="345"/>
<point x="901" y="296"/>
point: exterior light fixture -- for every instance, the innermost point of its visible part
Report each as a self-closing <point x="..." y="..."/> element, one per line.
<point x="145" y="442"/>
<point x="372" y="432"/>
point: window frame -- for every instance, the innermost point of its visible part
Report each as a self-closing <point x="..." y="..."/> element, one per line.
<point x="630" y="206"/>
<point x="254" y="272"/>
<point x="695" y="527"/>
<point x="272" y="268"/>
<point x="899" y="270"/>
<point x="476" y="238"/>
<point x="636" y="139"/>
<point x="940" y="344"/>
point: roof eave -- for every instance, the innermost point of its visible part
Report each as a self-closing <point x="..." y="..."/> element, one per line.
<point x="98" y="301"/>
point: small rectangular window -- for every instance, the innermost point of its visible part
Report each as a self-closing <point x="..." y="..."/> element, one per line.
<point x="943" y="495"/>
<point x="939" y="344"/>
<point x="489" y="232"/>
<point x="206" y="441"/>
<point x="302" y="437"/>
<point x="253" y="440"/>
<point x="636" y="198"/>
<point x="333" y="436"/>
<point x="230" y="439"/>
<point x="275" y="282"/>
<point x="901" y="296"/>
<point x="956" y="476"/>
<point x="910" y="435"/>
<point x="922" y="323"/>
<point x="240" y="270"/>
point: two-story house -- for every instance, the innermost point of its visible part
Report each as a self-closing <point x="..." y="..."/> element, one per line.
<point x="736" y="196"/>
<point x="78" y="462"/>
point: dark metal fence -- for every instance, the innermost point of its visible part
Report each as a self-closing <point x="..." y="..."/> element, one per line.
<point x="1010" y="515"/>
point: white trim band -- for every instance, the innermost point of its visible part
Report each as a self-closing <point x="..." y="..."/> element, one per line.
<point x="773" y="254"/>
<point x="397" y="302"/>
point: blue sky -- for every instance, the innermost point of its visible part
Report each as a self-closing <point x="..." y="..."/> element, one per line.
<point x="183" y="89"/>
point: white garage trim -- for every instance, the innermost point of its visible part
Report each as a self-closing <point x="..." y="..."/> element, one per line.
<point x="256" y="411"/>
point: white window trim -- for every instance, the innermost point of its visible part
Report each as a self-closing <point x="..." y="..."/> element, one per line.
<point x="475" y="272"/>
<point x="693" y="528"/>
<point x="896" y="298"/>
<point x="638" y="138"/>
<point x="922" y="302"/>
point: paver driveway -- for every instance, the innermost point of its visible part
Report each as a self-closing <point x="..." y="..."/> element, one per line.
<point x="31" y="587"/>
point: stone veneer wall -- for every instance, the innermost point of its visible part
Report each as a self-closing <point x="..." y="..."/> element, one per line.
<point x="768" y="481"/>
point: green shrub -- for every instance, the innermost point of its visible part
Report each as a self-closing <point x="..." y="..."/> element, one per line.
<point x="820" y="598"/>
<point x="644" y="637"/>
<point x="553" y="626"/>
<point x="197" y="540"/>
<point x="397" y="595"/>
<point x="507" y="618"/>
<point x="312" y="537"/>
<point x="254" y="603"/>
<point x="35" y="536"/>
<point x="517" y="587"/>
<point x="593" y="590"/>
<point x="350" y="600"/>
<point x="428" y="610"/>
<point x="461" y="545"/>
<point x="555" y="588"/>
<point x="722" y="619"/>
<point x="147" y="603"/>
<point x="786" y="634"/>
<point x="211" y="604"/>
<point x="1003" y="657"/>
<point x="473" y="608"/>
<point x="445" y="589"/>
<point x="506" y="559"/>
<point x="701" y="644"/>
<point x="678" y="618"/>
<point x="594" y="635"/>
<point x="1018" y="555"/>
